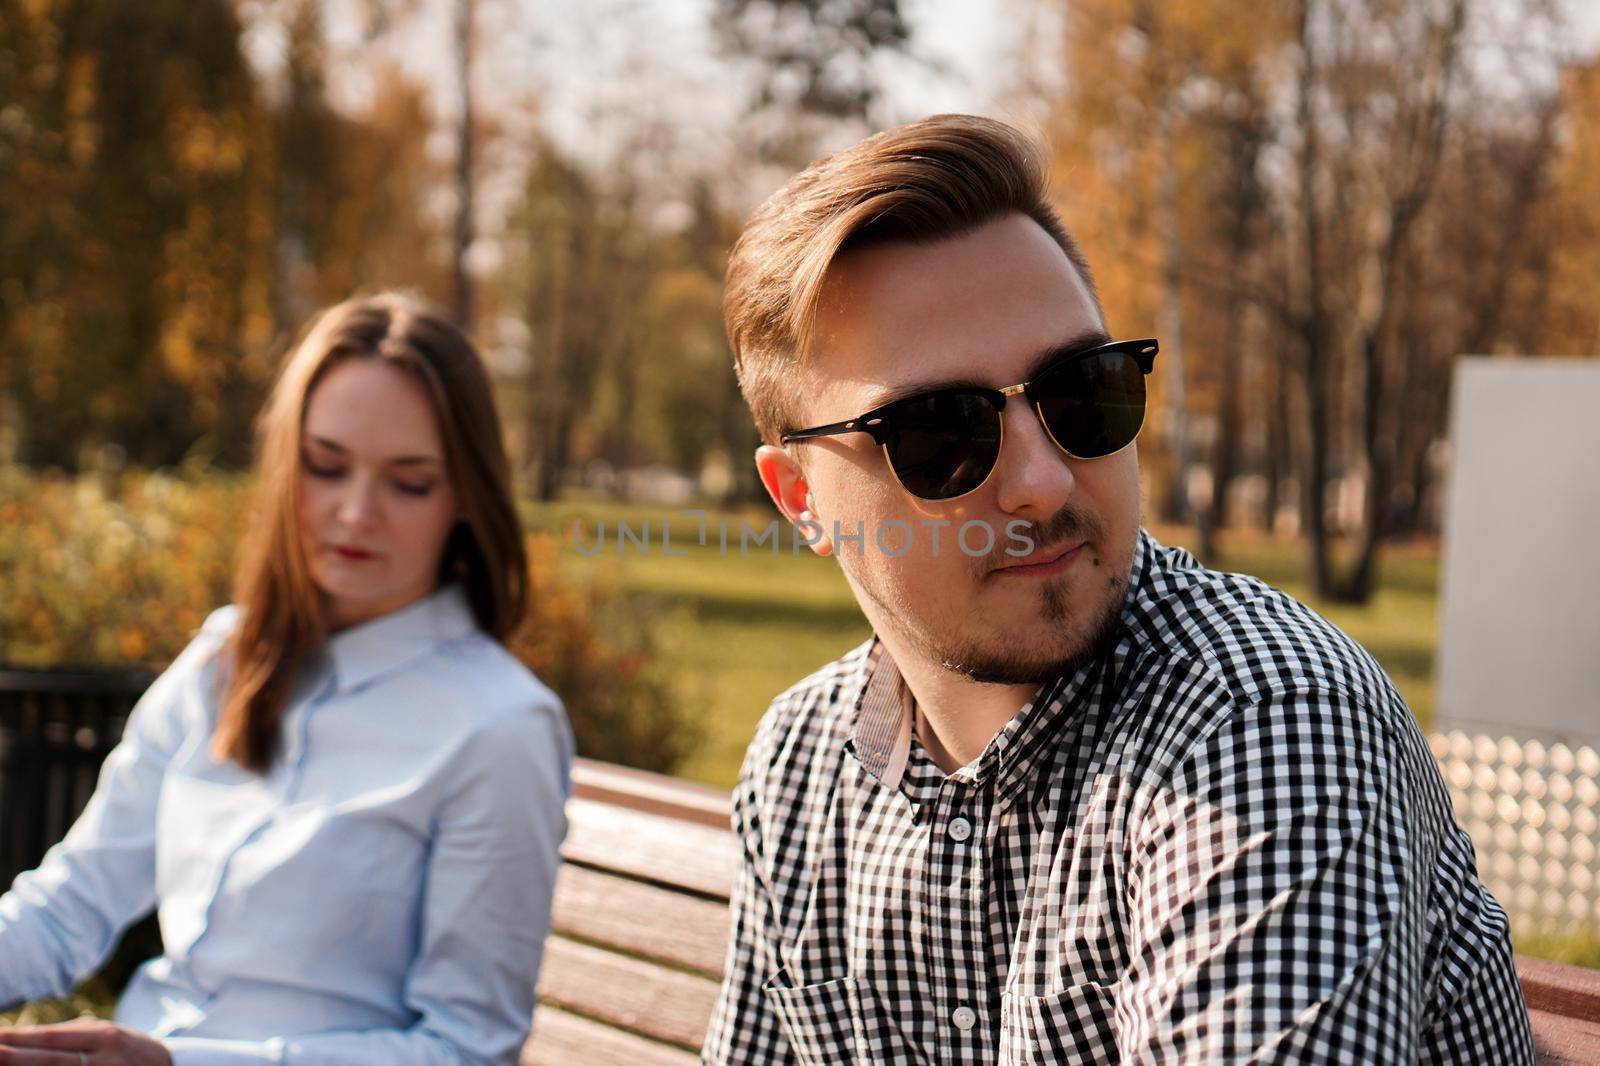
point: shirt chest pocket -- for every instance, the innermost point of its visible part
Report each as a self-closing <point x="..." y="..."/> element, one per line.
<point x="817" y="1019"/>
<point x="839" y="1022"/>
<point x="231" y="857"/>
<point x="347" y="877"/>
<point x="1059" y="1027"/>
<point x="199" y="821"/>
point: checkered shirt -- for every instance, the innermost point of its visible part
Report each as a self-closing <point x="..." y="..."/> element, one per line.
<point x="1225" y="840"/>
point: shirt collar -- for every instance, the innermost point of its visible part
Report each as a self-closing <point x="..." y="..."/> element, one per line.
<point x="881" y="733"/>
<point x="364" y="652"/>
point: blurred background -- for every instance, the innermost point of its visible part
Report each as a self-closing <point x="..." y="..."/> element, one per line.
<point x="1319" y="206"/>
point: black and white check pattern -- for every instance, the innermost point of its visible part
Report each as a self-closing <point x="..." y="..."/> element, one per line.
<point x="1224" y="841"/>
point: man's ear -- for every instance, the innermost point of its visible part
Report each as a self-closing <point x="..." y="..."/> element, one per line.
<point x="786" y="483"/>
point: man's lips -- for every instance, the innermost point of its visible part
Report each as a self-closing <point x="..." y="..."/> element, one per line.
<point x="1046" y="562"/>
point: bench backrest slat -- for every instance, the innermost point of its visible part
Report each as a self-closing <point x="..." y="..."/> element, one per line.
<point x="1559" y="989"/>
<point x="1563" y="1041"/>
<point x="640" y="928"/>
<point x="564" y="1039"/>
<point x="633" y="994"/>
<point x="651" y="847"/>
<point x="685" y="931"/>
<point x="640" y="790"/>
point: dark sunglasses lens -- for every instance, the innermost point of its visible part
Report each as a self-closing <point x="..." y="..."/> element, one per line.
<point x="944" y="445"/>
<point x="1093" y="405"/>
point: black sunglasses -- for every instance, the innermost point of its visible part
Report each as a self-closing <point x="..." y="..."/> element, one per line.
<point x="945" y="443"/>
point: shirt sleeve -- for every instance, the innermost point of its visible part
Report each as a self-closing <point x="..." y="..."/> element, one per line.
<point x="1279" y="888"/>
<point x="486" y="912"/>
<point x="744" y="1028"/>
<point x="60" y="921"/>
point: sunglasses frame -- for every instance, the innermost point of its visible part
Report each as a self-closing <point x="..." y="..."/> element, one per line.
<point x="878" y="423"/>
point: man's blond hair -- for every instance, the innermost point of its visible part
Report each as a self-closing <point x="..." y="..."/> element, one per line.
<point x="937" y="178"/>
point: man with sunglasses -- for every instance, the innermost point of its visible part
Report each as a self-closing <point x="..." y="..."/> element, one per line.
<point x="1079" y="799"/>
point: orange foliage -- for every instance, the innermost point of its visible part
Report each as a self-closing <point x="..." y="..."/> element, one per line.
<point x="121" y="568"/>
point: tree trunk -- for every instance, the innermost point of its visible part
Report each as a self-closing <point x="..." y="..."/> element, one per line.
<point x="1230" y="405"/>
<point x="1225" y="454"/>
<point x="1279" y="461"/>
<point x="1314" y="333"/>
<point x="1177" y="502"/>
<point x="1360" y="583"/>
<point x="463" y="295"/>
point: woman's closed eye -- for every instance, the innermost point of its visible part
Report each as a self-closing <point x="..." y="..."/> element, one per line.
<point x="335" y="473"/>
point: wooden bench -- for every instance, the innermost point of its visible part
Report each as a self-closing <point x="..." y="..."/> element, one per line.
<point x="1564" y="1006"/>
<point x="631" y="973"/>
<point x="641" y="922"/>
<point x="634" y="962"/>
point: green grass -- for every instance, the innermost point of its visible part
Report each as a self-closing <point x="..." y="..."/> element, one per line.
<point x="735" y="629"/>
<point x="1578" y="947"/>
<point x="93" y="1000"/>
<point x="732" y="630"/>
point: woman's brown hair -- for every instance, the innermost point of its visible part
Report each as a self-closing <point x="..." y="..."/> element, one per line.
<point x="281" y="620"/>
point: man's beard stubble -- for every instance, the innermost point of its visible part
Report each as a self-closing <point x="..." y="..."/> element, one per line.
<point x="1012" y="667"/>
<point x="1006" y="660"/>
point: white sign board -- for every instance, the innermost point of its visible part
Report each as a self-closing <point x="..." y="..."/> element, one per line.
<point x="1520" y="634"/>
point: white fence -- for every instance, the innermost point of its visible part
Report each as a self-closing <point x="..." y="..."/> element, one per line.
<point x="1533" y="810"/>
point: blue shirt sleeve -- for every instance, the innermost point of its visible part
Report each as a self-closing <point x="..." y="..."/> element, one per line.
<point x="60" y="921"/>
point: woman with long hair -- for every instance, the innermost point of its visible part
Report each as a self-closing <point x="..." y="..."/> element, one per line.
<point x="344" y="798"/>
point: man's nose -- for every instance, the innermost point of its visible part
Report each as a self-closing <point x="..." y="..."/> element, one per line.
<point x="1032" y="477"/>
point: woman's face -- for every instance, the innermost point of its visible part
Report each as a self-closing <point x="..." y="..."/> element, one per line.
<point x="376" y="503"/>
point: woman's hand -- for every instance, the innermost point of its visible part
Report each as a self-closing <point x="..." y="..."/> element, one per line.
<point x="75" y="1043"/>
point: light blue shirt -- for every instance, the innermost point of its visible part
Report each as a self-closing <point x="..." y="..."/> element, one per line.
<point x="381" y="896"/>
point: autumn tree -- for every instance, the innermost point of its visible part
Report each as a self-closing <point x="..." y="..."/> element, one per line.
<point x="1390" y="111"/>
<point x="348" y="191"/>
<point x="1562" y="299"/>
<point x="175" y="215"/>
<point x="1336" y="182"/>
<point x="626" y="360"/>
<point x="128" y="142"/>
<point x="1160" y="133"/>
<point x="812" y="65"/>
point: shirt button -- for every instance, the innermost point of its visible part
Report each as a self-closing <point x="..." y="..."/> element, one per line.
<point x="960" y="830"/>
<point x="964" y="1018"/>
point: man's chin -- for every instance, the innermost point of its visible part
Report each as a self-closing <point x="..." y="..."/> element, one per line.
<point x="1002" y="659"/>
<point x="1012" y="667"/>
